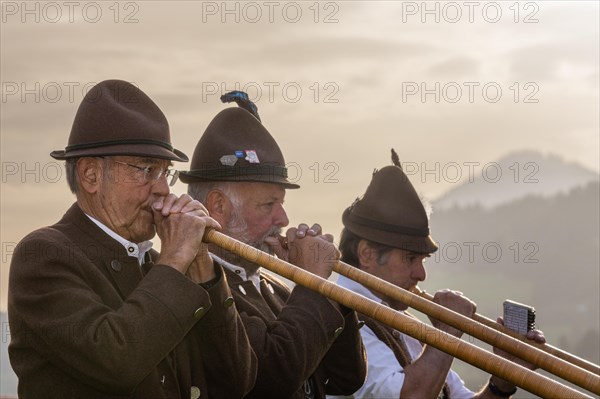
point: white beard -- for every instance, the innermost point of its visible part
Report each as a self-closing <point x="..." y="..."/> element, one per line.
<point x="237" y="227"/>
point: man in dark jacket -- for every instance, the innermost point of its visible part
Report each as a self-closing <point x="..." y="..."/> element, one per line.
<point x="94" y="312"/>
<point x="306" y="345"/>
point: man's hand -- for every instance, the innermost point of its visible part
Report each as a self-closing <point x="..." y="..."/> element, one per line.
<point x="456" y="301"/>
<point x="202" y="269"/>
<point x="180" y="224"/>
<point x="311" y="251"/>
<point x="534" y="335"/>
<point x="280" y="245"/>
<point x="184" y="204"/>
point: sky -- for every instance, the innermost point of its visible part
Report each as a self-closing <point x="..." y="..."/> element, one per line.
<point x="337" y="83"/>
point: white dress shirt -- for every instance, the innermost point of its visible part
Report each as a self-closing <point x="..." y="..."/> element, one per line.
<point x="240" y="271"/>
<point x="134" y="250"/>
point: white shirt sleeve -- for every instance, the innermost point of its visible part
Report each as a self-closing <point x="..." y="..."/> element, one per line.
<point x="385" y="376"/>
<point x="457" y="387"/>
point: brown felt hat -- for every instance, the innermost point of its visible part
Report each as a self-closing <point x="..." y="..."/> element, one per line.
<point x="237" y="147"/>
<point x="391" y="213"/>
<point x="117" y="118"/>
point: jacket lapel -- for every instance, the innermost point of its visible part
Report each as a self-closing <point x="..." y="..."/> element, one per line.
<point x="106" y="253"/>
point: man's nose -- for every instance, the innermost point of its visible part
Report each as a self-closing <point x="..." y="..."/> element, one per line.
<point x="419" y="272"/>
<point x="280" y="218"/>
<point x="161" y="186"/>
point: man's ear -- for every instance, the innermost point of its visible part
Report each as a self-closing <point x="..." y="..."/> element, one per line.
<point x="89" y="174"/>
<point x="218" y="205"/>
<point x="366" y="255"/>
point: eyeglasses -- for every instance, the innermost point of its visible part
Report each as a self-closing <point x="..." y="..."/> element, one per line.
<point x="152" y="174"/>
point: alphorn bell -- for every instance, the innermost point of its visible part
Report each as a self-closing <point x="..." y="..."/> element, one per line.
<point x="576" y="360"/>
<point x="531" y="354"/>
<point x="489" y="362"/>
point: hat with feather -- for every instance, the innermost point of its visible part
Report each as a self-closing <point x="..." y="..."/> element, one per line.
<point x="391" y="212"/>
<point x="237" y="147"/>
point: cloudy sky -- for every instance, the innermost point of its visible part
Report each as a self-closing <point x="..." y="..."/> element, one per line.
<point x="337" y="83"/>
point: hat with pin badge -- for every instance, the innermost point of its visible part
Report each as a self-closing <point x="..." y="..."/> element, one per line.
<point x="237" y="147"/>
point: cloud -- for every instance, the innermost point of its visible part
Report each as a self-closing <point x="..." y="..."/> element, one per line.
<point x="337" y="50"/>
<point x="455" y="68"/>
<point x="543" y="61"/>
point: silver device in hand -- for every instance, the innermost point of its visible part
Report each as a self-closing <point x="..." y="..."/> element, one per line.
<point x="519" y="317"/>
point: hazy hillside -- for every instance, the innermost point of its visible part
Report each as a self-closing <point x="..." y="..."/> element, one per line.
<point x="549" y="244"/>
<point x="543" y="251"/>
<point x="513" y="177"/>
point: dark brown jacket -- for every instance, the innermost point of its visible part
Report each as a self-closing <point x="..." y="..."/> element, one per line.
<point x="299" y="336"/>
<point x="86" y="323"/>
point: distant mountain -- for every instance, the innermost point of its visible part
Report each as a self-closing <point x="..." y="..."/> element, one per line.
<point x="540" y="250"/>
<point x="515" y="176"/>
<point x="8" y="379"/>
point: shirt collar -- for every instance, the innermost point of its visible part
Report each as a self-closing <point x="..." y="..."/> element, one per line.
<point x="240" y="271"/>
<point x="134" y="250"/>
<point x="358" y="288"/>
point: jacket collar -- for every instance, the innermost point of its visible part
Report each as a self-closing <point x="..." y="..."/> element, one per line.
<point x="102" y="250"/>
